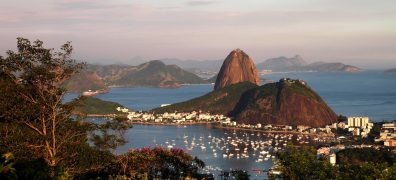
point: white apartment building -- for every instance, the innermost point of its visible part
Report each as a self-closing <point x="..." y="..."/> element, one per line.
<point x="358" y="121"/>
<point x="360" y="126"/>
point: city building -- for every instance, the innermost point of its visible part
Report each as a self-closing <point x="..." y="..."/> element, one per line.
<point x="388" y="134"/>
<point x="359" y="126"/>
<point x="258" y="126"/>
<point x="333" y="159"/>
<point x="358" y="121"/>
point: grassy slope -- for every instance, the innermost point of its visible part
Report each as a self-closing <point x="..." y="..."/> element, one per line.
<point x="84" y="81"/>
<point x="92" y="105"/>
<point x="221" y="101"/>
<point x="156" y="73"/>
<point x="151" y="74"/>
<point x="283" y="103"/>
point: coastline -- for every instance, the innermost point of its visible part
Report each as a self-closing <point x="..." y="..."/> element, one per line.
<point x="173" y="124"/>
<point x="98" y="115"/>
<point x="270" y="131"/>
<point x="212" y="125"/>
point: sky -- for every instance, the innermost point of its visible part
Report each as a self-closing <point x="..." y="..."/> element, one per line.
<point x="357" y="32"/>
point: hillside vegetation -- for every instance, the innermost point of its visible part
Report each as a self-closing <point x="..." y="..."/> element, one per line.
<point x="84" y="81"/>
<point x="92" y="105"/>
<point x="288" y="102"/>
<point x="221" y="101"/>
<point x="150" y="74"/>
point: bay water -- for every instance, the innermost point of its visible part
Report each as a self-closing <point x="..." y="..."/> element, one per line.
<point x="368" y="93"/>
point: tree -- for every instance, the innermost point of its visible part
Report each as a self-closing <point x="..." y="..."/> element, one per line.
<point x="31" y="87"/>
<point x="159" y="163"/>
<point x="7" y="171"/>
<point x="302" y="164"/>
<point x="110" y="135"/>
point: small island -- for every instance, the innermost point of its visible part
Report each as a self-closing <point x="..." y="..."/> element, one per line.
<point x="391" y="71"/>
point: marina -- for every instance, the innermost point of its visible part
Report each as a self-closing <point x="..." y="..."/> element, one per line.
<point x="221" y="149"/>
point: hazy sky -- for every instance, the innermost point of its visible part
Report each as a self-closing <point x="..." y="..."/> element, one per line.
<point x="357" y="32"/>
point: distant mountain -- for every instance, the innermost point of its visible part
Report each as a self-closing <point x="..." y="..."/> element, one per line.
<point x="297" y="63"/>
<point x="155" y="74"/>
<point x="237" y="94"/>
<point x="85" y="80"/>
<point x="331" y="67"/>
<point x="287" y="102"/>
<point x="237" y="67"/>
<point x="282" y="63"/>
<point x="212" y="79"/>
<point x="204" y="65"/>
<point x="391" y="71"/>
<point x="151" y="74"/>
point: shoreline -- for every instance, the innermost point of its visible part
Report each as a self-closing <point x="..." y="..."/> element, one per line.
<point x="174" y="124"/>
<point x="98" y="115"/>
<point x="211" y="126"/>
<point x="270" y="131"/>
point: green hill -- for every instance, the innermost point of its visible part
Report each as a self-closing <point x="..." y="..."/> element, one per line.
<point x="84" y="81"/>
<point x="157" y="74"/>
<point x="150" y="74"/>
<point x="96" y="106"/>
<point x="212" y="79"/>
<point x="288" y="102"/>
<point x="221" y="101"/>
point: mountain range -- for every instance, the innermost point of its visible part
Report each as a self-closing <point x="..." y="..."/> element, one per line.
<point x="391" y="71"/>
<point x="297" y="63"/>
<point x="151" y="74"/>
<point x="287" y="102"/>
<point x="279" y="64"/>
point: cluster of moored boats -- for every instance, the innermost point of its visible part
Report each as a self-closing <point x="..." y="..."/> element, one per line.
<point x="257" y="147"/>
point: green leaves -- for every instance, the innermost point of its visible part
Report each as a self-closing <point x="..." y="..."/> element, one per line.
<point x="159" y="163"/>
<point x="302" y="163"/>
<point x="6" y="166"/>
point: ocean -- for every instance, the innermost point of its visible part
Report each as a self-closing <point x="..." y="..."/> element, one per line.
<point x="369" y="93"/>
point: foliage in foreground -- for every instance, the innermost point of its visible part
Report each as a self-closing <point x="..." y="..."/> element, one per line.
<point x="302" y="163"/>
<point x="159" y="163"/>
<point x="40" y="139"/>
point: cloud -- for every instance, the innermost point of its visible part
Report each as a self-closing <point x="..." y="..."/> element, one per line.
<point x="200" y="2"/>
<point x="185" y="28"/>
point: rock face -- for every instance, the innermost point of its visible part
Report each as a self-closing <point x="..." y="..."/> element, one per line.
<point x="288" y="102"/>
<point x="237" y="67"/>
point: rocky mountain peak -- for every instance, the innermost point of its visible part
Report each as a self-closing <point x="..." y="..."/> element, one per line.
<point x="237" y="67"/>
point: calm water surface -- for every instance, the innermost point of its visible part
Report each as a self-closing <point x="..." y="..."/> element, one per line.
<point x="370" y="93"/>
